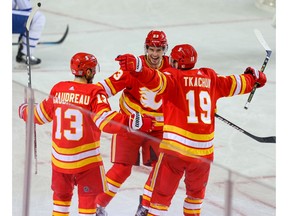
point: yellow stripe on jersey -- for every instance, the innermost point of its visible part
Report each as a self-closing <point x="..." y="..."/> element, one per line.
<point x="114" y="183"/>
<point x="98" y="114"/>
<point x="129" y="107"/>
<point x="192" y="211"/>
<point x="184" y="150"/>
<point x="159" y="207"/>
<point x="159" y="87"/>
<point x="76" y="150"/>
<point x="238" y="85"/>
<point x="163" y="82"/>
<point x="89" y="211"/>
<point x="233" y="86"/>
<point x="244" y="84"/>
<point x="136" y="107"/>
<point x="41" y="114"/>
<point x="60" y="214"/>
<point x="104" y="179"/>
<point x="45" y="113"/>
<point x="193" y="201"/>
<point x="36" y="114"/>
<point x="122" y="103"/>
<point x="62" y="203"/>
<point x="77" y="164"/>
<point x="188" y="134"/>
<point x="106" y="120"/>
<point x="156" y="170"/>
<point x="110" y="85"/>
<point x="113" y="148"/>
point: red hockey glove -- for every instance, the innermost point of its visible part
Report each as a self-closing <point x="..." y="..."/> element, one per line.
<point x="129" y="62"/>
<point x="140" y="122"/>
<point x="21" y="110"/>
<point x="259" y="76"/>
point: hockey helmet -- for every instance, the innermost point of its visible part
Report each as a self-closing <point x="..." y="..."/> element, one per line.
<point x="156" y="39"/>
<point x="80" y="62"/>
<point x="185" y="55"/>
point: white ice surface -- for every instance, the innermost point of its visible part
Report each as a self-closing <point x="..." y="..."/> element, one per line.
<point x="222" y="31"/>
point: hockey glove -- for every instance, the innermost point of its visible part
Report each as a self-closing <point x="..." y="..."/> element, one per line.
<point x="140" y="122"/>
<point x="259" y="76"/>
<point x="129" y="62"/>
<point x="21" y="110"/>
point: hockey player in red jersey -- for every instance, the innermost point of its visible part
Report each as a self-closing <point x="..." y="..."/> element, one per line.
<point x="80" y="111"/>
<point x="189" y="96"/>
<point x="126" y="147"/>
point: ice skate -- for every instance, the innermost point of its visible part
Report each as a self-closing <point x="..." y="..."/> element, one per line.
<point x="101" y="211"/>
<point x="141" y="211"/>
<point x="22" y="58"/>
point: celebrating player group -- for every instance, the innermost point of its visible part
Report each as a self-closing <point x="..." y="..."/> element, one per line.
<point x="166" y="116"/>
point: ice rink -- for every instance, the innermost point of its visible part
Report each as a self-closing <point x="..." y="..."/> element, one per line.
<point x="222" y="31"/>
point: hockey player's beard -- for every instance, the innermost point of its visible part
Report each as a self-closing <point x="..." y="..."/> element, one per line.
<point x="90" y="79"/>
<point x="154" y="62"/>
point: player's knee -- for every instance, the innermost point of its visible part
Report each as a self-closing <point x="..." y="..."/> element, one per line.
<point x="123" y="170"/>
<point x="62" y="196"/>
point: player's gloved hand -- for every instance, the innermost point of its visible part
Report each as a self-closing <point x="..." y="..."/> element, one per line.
<point x="140" y="122"/>
<point x="21" y="110"/>
<point x="129" y="62"/>
<point x="259" y="76"/>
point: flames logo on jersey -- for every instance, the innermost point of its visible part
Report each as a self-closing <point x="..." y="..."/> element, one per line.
<point x="148" y="99"/>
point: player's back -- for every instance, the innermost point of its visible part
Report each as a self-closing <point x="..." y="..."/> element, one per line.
<point x="189" y="101"/>
<point x="188" y="114"/>
<point x="76" y="139"/>
<point x="74" y="106"/>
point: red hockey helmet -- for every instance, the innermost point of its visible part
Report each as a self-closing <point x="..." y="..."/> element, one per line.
<point x="80" y="62"/>
<point x="185" y="55"/>
<point x="156" y="39"/>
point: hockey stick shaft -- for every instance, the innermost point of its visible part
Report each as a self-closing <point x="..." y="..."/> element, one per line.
<point x="29" y="98"/>
<point x="51" y="42"/>
<point x="28" y="23"/>
<point x="28" y="152"/>
<point x="267" y="58"/>
<point x="271" y="139"/>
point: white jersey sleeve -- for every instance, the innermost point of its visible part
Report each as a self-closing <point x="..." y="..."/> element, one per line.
<point x="21" y="4"/>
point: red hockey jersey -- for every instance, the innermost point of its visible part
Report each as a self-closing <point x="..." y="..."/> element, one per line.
<point x="135" y="96"/>
<point x="79" y="113"/>
<point x="189" y="98"/>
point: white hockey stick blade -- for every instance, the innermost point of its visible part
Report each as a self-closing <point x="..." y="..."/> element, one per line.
<point x="29" y="20"/>
<point x="262" y="41"/>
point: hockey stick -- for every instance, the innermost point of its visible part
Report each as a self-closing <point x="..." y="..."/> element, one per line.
<point x="271" y="139"/>
<point x="29" y="98"/>
<point x="51" y="42"/>
<point x="56" y="42"/>
<point x="268" y="54"/>
<point x="28" y="23"/>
